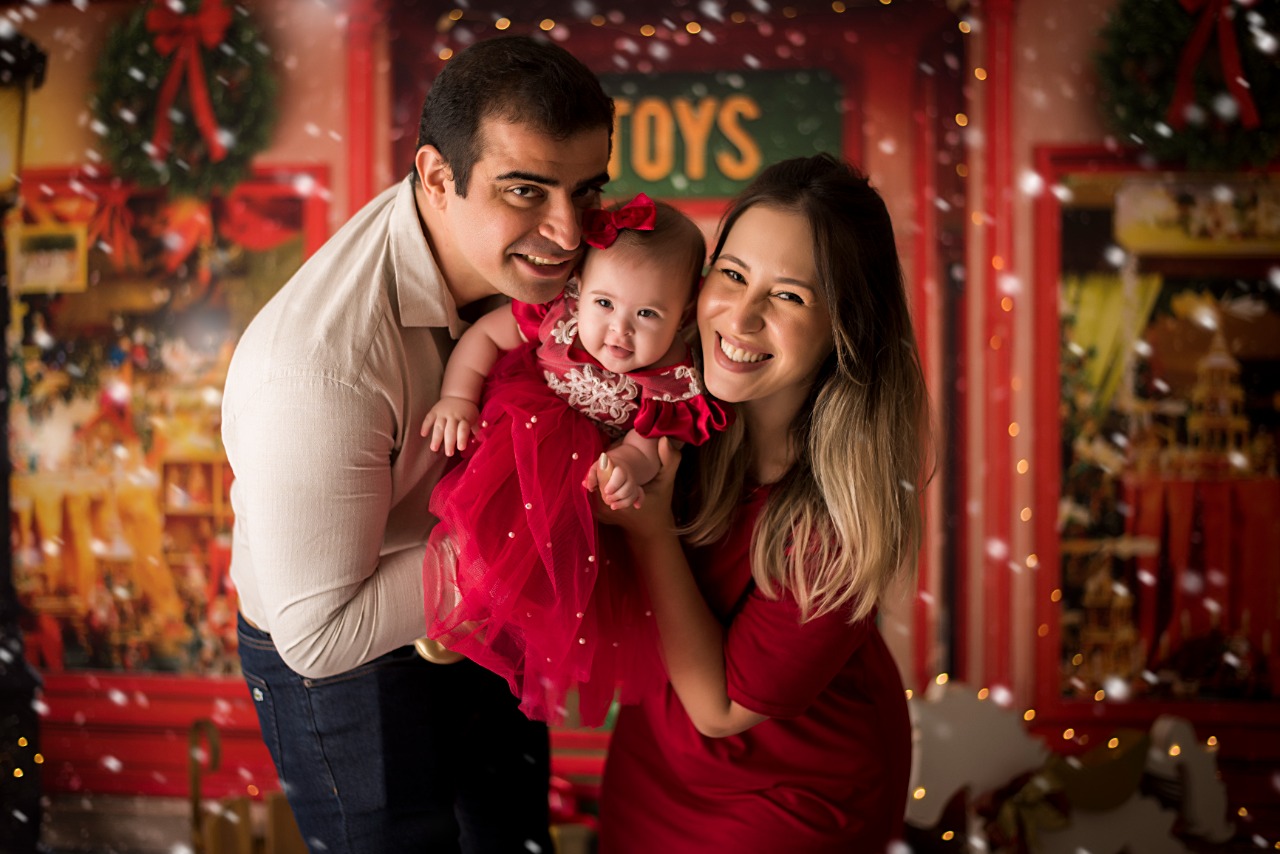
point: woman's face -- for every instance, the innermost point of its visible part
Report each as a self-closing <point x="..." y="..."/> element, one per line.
<point x="765" y="326"/>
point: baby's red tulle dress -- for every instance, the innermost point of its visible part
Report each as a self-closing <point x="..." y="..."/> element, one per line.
<point x="546" y="598"/>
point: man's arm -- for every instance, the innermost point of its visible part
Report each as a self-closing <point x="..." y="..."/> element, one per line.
<point x="313" y="490"/>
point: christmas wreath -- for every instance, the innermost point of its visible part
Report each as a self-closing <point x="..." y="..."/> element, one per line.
<point x="1194" y="81"/>
<point x="185" y="96"/>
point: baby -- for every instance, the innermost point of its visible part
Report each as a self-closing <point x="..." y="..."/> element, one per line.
<point x="547" y="403"/>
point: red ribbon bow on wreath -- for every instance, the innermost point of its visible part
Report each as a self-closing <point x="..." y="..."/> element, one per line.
<point x="600" y="227"/>
<point x="183" y="36"/>
<point x="1219" y="12"/>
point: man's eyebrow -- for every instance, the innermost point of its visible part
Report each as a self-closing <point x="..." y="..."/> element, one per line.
<point x="595" y="181"/>
<point x="535" y="178"/>
<point x="531" y="177"/>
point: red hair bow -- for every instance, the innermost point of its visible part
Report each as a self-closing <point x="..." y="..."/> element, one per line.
<point x="600" y="227"/>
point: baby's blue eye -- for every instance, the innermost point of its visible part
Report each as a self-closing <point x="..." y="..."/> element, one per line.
<point x="604" y="303"/>
<point x="647" y="312"/>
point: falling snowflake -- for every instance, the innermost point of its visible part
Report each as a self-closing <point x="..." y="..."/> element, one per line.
<point x="1264" y="40"/>
<point x="1192" y="583"/>
<point x="1117" y="689"/>
<point x="1205" y="316"/>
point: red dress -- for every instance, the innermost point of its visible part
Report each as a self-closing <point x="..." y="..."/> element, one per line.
<point x="828" y="772"/>
<point x="544" y="603"/>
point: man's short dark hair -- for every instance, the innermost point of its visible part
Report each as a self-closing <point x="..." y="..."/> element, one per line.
<point x="519" y="79"/>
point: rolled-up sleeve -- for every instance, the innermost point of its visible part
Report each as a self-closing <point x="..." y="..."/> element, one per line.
<point x="312" y="494"/>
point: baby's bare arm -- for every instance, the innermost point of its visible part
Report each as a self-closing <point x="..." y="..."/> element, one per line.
<point x="450" y="422"/>
<point x="477" y="352"/>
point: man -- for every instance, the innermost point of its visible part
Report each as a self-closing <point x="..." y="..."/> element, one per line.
<point x="377" y="749"/>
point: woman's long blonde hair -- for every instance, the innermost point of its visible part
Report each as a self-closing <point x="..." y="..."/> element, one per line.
<point x="844" y="524"/>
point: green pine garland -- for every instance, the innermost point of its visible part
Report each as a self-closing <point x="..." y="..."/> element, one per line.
<point x="242" y="90"/>
<point x="1138" y="70"/>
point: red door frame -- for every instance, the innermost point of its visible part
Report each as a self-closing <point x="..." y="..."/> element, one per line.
<point x="994" y="471"/>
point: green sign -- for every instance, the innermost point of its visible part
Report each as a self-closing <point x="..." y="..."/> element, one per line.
<point x="708" y="135"/>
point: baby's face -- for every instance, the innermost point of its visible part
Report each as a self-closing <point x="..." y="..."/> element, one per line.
<point x="630" y="304"/>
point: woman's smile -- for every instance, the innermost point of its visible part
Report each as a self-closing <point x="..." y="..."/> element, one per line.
<point x="740" y="354"/>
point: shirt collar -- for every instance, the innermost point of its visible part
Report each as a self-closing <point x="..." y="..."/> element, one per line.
<point x="421" y="291"/>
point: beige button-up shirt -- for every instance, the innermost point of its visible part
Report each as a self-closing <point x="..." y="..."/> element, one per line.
<point x="324" y="398"/>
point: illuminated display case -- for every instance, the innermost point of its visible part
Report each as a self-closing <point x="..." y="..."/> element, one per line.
<point x="1157" y="421"/>
<point x="119" y="515"/>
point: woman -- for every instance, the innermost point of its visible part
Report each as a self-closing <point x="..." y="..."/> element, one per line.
<point x="784" y="725"/>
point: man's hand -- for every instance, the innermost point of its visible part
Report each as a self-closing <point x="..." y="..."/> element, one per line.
<point x="449" y="424"/>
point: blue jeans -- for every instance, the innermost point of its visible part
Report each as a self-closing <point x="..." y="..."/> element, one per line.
<point x="402" y="755"/>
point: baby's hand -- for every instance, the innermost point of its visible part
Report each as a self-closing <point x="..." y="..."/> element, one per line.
<point x="618" y="487"/>
<point x="449" y="424"/>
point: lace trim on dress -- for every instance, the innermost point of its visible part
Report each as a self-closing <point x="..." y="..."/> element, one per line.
<point x="690" y="375"/>
<point x="566" y="330"/>
<point x="599" y="394"/>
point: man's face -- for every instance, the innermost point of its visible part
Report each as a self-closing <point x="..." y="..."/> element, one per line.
<point x="518" y="229"/>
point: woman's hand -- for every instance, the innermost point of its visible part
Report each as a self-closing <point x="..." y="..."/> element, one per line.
<point x="617" y="485"/>
<point x="654" y="516"/>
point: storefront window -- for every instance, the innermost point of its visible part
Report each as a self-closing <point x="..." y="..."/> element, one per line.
<point x="1169" y="417"/>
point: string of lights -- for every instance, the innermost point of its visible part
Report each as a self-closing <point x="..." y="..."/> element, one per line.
<point x="677" y="26"/>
